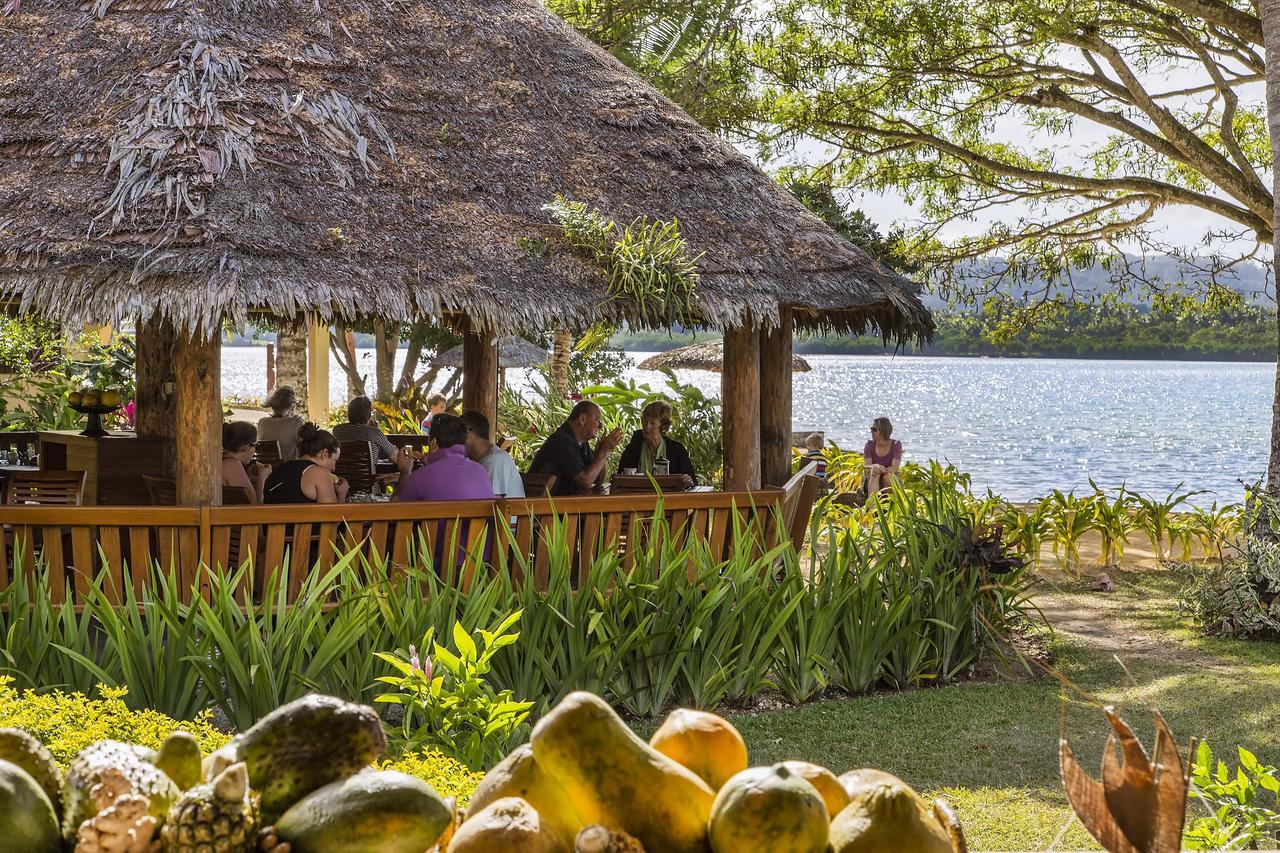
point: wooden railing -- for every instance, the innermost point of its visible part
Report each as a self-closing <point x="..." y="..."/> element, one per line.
<point x="119" y="546"/>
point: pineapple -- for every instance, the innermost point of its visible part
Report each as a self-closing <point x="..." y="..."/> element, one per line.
<point x="218" y="817"/>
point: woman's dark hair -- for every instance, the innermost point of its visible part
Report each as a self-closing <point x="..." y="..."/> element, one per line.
<point x="477" y="423"/>
<point x="359" y="410"/>
<point x="282" y="400"/>
<point x="448" y="430"/>
<point x="312" y="441"/>
<point x="237" y="435"/>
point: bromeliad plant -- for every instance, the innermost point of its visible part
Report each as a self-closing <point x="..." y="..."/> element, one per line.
<point x="648" y="261"/>
<point x="1154" y="516"/>
<point x="1112" y="519"/>
<point x="447" y="701"/>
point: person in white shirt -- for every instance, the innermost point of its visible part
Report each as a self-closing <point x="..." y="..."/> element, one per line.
<point x="503" y="473"/>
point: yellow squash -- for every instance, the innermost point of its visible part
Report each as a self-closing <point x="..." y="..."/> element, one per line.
<point x="518" y="775"/>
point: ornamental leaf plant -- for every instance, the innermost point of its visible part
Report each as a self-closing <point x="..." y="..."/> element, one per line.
<point x="447" y="702"/>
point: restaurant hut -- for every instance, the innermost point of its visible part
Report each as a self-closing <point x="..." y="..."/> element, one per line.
<point x="186" y="165"/>
<point x="707" y="355"/>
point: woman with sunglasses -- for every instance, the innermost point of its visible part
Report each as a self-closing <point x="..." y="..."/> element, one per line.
<point x="881" y="457"/>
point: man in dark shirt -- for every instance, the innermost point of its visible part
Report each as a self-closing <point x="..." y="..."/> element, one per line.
<point x="567" y="452"/>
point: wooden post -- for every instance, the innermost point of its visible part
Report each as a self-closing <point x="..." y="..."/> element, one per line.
<point x="480" y="373"/>
<point x="197" y="366"/>
<point x="318" y="370"/>
<point x="271" y="368"/>
<point x="740" y="397"/>
<point x="775" y="401"/>
<point x="155" y="408"/>
<point x="291" y="358"/>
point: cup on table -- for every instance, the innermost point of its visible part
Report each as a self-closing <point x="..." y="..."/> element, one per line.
<point x="629" y="472"/>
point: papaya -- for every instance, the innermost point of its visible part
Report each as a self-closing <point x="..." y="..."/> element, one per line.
<point x="506" y="825"/>
<point x="707" y="744"/>
<point x="768" y="810"/>
<point x="855" y="780"/>
<point x="27" y="819"/>
<point x="885" y="814"/>
<point x="615" y="779"/>
<point x="23" y="749"/>
<point x="834" y="796"/>
<point x="382" y="810"/>
<point x="519" y="775"/>
<point x="179" y="758"/>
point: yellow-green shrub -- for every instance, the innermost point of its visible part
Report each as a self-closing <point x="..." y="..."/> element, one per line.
<point x="450" y="778"/>
<point x="68" y="722"/>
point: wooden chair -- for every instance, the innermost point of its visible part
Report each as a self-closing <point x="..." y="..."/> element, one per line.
<point x="236" y="496"/>
<point x="161" y="490"/>
<point x="356" y="465"/>
<point x="420" y="443"/>
<point x="798" y="496"/>
<point x="46" y="488"/>
<point x="268" y="453"/>
<point x="538" y="485"/>
<point x="642" y="484"/>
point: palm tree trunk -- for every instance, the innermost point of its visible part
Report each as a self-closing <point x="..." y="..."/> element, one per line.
<point x="384" y="359"/>
<point x="291" y="358"/>
<point x="561" y="348"/>
<point x="1269" y="13"/>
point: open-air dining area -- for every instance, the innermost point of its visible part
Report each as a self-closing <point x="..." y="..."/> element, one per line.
<point x="494" y="425"/>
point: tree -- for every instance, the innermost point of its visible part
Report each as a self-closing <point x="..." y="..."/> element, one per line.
<point x="1269" y="13"/>
<point x="1079" y="121"/>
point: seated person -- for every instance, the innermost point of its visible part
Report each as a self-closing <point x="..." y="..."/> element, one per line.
<point x="504" y="476"/>
<point x="359" y="427"/>
<point x="435" y="405"/>
<point x="446" y="473"/>
<point x="239" y="471"/>
<point x="881" y="457"/>
<point x="310" y="477"/>
<point x="283" y="424"/>
<point x="567" y="452"/>
<point x="813" y="453"/>
<point x="650" y="443"/>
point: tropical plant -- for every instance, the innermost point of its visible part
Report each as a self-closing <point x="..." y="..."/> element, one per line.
<point x="1112" y="519"/>
<point x="448" y="704"/>
<point x="1153" y="516"/>
<point x="1241" y="810"/>
<point x="1069" y="519"/>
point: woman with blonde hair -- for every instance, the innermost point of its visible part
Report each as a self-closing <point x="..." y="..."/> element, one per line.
<point x="284" y="422"/>
<point x="650" y="446"/>
<point x="881" y="457"/>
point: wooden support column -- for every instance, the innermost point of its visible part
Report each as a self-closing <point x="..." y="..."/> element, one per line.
<point x="317" y="370"/>
<point x="740" y="398"/>
<point x="291" y="358"/>
<point x="197" y="366"/>
<point x="155" y="409"/>
<point x="480" y="373"/>
<point x="775" y="402"/>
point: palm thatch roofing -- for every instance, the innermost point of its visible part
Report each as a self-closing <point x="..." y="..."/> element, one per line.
<point x="200" y="161"/>
<point x="513" y="352"/>
<point x="708" y="355"/>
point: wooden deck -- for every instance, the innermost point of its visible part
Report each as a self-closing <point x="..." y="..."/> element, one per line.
<point x="119" y="546"/>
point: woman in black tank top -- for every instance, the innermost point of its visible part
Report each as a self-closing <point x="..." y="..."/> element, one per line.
<point x="312" y="471"/>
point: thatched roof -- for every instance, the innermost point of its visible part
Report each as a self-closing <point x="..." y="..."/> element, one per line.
<point x="512" y="352"/>
<point x="708" y="355"/>
<point x="201" y="160"/>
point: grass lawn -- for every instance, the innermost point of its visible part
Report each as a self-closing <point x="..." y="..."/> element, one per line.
<point x="992" y="748"/>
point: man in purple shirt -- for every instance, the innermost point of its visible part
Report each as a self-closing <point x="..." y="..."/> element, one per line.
<point x="446" y="474"/>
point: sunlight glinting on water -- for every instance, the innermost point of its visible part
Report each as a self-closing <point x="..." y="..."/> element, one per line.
<point x="1019" y="426"/>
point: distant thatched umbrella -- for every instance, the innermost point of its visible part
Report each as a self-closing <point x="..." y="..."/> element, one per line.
<point x="512" y="352"/>
<point x="199" y="161"/>
<point x="704" y="356"/>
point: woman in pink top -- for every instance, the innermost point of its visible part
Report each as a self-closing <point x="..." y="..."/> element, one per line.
<point x="881" y="457"/>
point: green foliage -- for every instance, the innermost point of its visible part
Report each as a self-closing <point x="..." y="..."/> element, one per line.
<point x="29" y="345"/>
<point x="1241" y="810"/>
<point x="647" y="261"/>
<point x="448" y="776"/>
<point x="449" y="705"/>
<point x="1237" y="597"/>
<point x="68" y="722"/>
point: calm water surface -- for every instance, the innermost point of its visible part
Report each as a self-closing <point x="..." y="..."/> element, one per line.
<point x="1019" y="426"/>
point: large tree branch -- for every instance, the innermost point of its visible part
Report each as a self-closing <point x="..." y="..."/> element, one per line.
<point x="1166" y="192"/>
<point x="1244" y="25"/>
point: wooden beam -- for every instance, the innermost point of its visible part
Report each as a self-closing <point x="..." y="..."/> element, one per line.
<point x="480" y="373"/>
<point x="740" y="397"/>
<point x="775" y="402"/>
<point x="318" y="370"/>
<point x="197" y="367"/>
<point x="155" y="408"/>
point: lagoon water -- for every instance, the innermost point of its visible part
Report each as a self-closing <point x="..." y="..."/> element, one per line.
<point x="1019" y="426"/>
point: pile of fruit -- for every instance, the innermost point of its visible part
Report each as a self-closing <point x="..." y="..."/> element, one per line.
<point x="302" y="781"/>
<point x="90" y="398"/>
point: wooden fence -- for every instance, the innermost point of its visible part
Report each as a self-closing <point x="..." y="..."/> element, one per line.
<point x="119" y="546"/>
